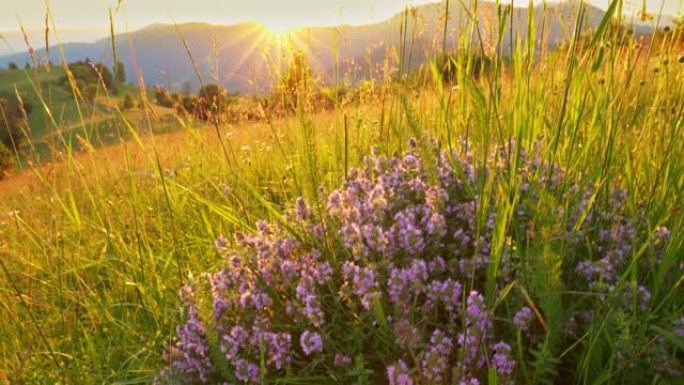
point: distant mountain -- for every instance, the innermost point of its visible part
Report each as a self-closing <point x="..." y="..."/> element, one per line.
<point x="12" y="42"/>
<point x="247" y="53"/>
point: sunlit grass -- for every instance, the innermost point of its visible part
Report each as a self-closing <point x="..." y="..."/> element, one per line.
<point x="97" y="244"/>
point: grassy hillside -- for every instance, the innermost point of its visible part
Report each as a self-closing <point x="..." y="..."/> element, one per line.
<point x="57" y="119"/>
<point x="28" y="85"/>
<point x="96" y="247"/>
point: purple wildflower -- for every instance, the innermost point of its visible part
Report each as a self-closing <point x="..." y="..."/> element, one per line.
<point x="476" y="312"/>
<point x="469" y="380"/>
<point x="233" y="341"/>
<point x="302" y="209"/>
<point x="679" y="324"/>
<point x="221" y="244"/>
<point x="362" y="280"/>
<point x="477" y="330"/>
<point x="502" y="361"/>
<point x="436" y="360"/>
<point x="398" y="374"/>
<point x="190" y="353"/>
<point x="341" y="360"/>
<point x="448" y="292"/>
<point x="246" y="371"/>
<point x="662" y="234"/>
<point x="407" y="335"/>
<point x="523" y="318"/>
<point x="278" y="348"/>
<point x="311" y="342"/>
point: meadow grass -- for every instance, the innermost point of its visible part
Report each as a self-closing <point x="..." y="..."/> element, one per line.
<point x="95" y="247"/>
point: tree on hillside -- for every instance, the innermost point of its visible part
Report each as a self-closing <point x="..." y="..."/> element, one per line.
<point x="21" y="106"/>
<point x="186" y="88"/>
<point x="12" y="115"/>
<point x="119" y="73"/>
<point x="187" y="105"/>
<point x="6" y="161"/>
<point x="162" y="97"/>
<point x="212" y="100"/>
<point x="27" y="66"/>
<point x="89" y="74"/>
<point x="12" y="66"/>
<point x="9" y="124"/>
<point x="105" y="74"/>
<point x="212" y="94"/>
<point x="89" y="92"/>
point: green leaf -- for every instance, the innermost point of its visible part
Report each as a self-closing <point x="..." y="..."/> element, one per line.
<point x="605" y="22"/>
<point x="669" y="336"/>
<point x="599" y="60"/>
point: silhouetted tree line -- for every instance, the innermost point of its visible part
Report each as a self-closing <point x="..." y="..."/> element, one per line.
<point x="13" y="114"/>
<point x="209" y="101"/>
<point x="89" y="76"/>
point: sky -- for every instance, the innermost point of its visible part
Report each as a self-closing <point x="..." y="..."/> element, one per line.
<point x="278" y="15"/>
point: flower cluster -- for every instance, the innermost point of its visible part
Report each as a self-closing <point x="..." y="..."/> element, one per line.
<point x="394" y="272"/>
<point x="501" y="361"/>
<point x="398" y="374"/>
<point x="477" y="330"/>
<point x="523" y="318"/>
<point x="311" y="342"/>
<point x="189" y="356"/>
<point x="436" y="361"/>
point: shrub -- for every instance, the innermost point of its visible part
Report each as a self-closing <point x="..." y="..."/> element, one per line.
<point x="12" y="114"/>
<point x="89" y="92"/>
<point x="187" y="105"/>
<point x="162" y="97"/>
<point x="127" y="103"/>
<point x="119" y="73"/>
<point x="212" y="101"/>
<point x="408" y="278"/>
<point x="6" y="161"/>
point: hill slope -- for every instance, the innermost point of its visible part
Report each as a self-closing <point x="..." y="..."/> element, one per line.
<point x="60" y="102"/>
<point x="54" y="116"/>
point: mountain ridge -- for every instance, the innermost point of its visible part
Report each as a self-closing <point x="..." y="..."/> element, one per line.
<point x="247" y="53"/>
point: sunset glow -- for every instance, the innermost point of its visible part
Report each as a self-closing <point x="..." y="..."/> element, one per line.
<point x="279" y="16"/>
<point x="279" y="29"/>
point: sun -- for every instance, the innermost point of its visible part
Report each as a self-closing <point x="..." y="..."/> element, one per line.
<point x="278" y="29"/>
